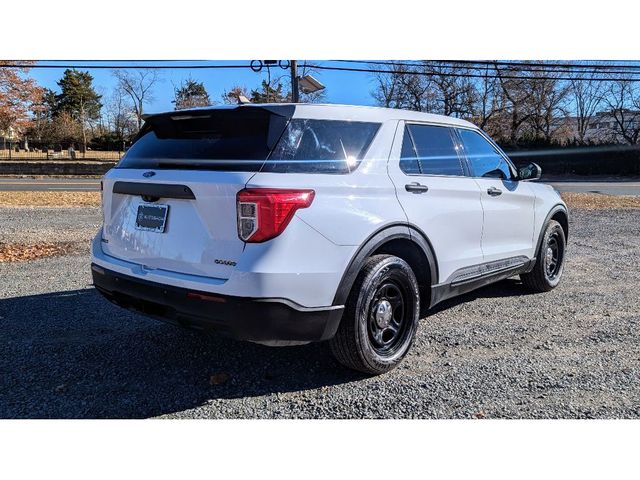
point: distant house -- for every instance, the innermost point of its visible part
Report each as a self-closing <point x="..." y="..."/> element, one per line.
<point x="7" y="136"/>
<point x="603" y="126"/>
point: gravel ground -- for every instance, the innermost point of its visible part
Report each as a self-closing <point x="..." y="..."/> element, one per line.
<point x="32" y="225"/>
<point x="497" y="352"/>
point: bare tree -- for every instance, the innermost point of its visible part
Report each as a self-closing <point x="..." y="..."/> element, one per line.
<point x="403" y="87"/>
<point x="453" y="93"/>
<point x="138" y="85"/>
<point x="121" y="118"/>
<point x="512" y="103"/>
<point x="586" y="92"/>
<point x="487" y="105"/>
<point x="623" y="99"/>
<point x="547" y="103"/>
<point x="388" y="91"/>
<point x="516" y="94"/>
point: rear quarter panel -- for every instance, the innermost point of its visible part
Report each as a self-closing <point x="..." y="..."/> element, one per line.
<point x="347" y="209"/>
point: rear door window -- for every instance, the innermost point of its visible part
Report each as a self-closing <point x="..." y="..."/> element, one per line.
<point x="430" y="150"/>
<point x="321" y="146"/>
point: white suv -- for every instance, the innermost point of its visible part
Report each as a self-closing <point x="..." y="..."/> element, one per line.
<point x="285" y="224"/>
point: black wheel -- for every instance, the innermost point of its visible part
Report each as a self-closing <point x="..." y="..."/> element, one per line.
<point x="380" y="317"/>
<point x="547" y="272"/>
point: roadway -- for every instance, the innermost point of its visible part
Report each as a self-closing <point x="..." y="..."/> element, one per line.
<point x="619" y="187"/>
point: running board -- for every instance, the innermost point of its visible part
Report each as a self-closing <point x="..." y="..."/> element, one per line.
<point x="475" y="272"/>
<point x="477" y="276"/>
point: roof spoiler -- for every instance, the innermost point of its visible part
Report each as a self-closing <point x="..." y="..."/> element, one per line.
<point x="282" y="110"/>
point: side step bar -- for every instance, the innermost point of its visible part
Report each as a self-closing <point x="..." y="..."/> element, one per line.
<point x="471" y="278"/>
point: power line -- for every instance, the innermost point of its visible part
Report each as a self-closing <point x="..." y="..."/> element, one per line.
<point x="464" y="75"/>
<point x="517" y="64"/>
<point x="131" y="67"/>
<point x="486" y="66"/>
<point x="509" y="76"/>
<point x="540" y="64"/>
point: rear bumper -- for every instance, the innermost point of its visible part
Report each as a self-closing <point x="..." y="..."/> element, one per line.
<point x="261" y="320"/>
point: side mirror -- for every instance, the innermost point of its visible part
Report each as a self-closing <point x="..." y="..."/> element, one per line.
<point x="530" y="171"/>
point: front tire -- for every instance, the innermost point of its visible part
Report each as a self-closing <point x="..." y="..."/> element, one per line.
<point x="380" y="318"/>
<point x="547" y="271"/>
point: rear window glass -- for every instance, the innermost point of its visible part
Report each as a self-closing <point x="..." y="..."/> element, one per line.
<point x="249" y="140"/>
<point x="211" y="140"/>
<point x="321" y="146"/>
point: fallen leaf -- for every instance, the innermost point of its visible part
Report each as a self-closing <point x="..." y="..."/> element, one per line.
<point x="219" y="378"/>
<point x="20" y="252"/>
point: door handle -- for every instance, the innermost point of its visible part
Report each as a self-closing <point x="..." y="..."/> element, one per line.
<point x="415" y="187"/>
<point x="494" y="192"/>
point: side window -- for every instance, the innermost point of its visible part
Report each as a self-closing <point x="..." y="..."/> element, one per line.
<point x="484" y="158"/>
<point x="321" y="146"/>
<point x="431" y="150"/>
<point x="408" y="157"/>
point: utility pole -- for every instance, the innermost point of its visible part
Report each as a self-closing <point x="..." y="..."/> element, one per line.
<point x="295" y="95"/>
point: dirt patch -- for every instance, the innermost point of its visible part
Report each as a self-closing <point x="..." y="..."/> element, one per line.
<point x="49" y="199"/>
<point x="20" y="252"/>
<point x="589" y="201"/>
<point x="53" y="175"/>
<point x="596" y="201"/>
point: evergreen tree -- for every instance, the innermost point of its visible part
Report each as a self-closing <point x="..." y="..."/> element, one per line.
<point x="49" y="103"/>
<point x="191" y="94"/>
<point x="78" y="100"/>
<point x="268" y="94"/>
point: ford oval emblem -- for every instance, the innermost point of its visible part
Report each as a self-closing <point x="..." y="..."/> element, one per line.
<point x="148" y="174"/>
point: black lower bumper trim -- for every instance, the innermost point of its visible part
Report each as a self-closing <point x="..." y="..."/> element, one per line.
<point x="254" y="319"/>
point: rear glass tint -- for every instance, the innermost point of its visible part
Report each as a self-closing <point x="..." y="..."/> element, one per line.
<point x="249" y="139"/>
<point x="321" y="146"/>
<point x="238" y="139"/>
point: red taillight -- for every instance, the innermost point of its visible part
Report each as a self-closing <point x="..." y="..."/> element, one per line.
<point x="264" y="213"/>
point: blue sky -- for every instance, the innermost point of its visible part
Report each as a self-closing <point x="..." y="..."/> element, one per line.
<point x="342" y="87"/>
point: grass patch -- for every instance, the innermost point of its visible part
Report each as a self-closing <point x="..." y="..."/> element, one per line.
<point x="596" y="201"/>
<point x="49" y="199"/>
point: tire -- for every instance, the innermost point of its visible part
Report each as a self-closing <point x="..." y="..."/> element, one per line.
<point x="547" y="271"/>
<point x="374" y="336"/>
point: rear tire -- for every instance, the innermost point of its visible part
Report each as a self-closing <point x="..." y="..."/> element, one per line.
<point x="547" y="271"/>
<point x="380" y="318"/>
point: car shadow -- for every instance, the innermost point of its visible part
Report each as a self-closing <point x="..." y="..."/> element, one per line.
<point x="72" y="354"/>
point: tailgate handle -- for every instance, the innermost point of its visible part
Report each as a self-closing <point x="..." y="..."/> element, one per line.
<point x="154" y="190"/>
